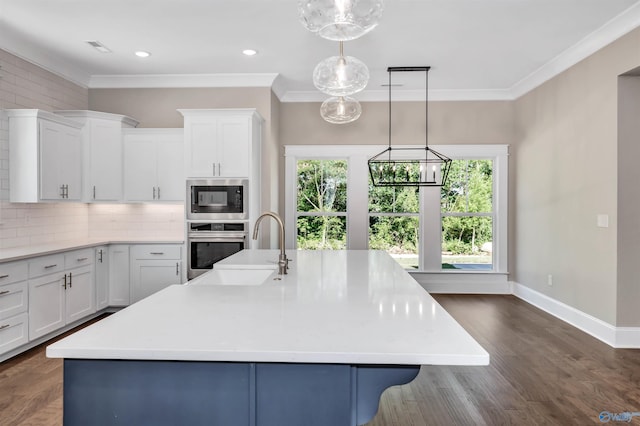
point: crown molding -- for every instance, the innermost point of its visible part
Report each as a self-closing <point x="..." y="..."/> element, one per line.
<point x="405" y="95"/>
<point x="612" y="30"/>
<point x="181" y="80"/>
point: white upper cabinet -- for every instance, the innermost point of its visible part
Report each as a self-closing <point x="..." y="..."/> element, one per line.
<point x="102" y="153"/>
<point x="221" y="142"/>
<point x="45" y="157"/>
<point x="153" y="165"/>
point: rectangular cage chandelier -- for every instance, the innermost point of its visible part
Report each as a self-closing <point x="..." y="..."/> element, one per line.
<point x="409" y="166"/>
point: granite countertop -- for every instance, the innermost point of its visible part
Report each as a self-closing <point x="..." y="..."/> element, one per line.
<point x="19" y="253"/>
<point x="346" y="307"/>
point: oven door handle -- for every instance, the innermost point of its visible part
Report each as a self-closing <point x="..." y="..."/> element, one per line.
<point x="218" y="239"/>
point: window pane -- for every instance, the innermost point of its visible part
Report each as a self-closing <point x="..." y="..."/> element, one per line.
<point x="322" y="233"/>
<point x="322" y="186"/>
<point x="398" y="236"/>
<point x="467" y="242"/>
<point x="469" y="188"/>
<point x="393" y="199"/>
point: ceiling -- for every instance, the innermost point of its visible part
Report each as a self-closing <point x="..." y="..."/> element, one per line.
<point x="478" y="49"/>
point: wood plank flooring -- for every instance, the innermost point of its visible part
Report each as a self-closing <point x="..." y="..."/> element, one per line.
<point x="542" y="371"/>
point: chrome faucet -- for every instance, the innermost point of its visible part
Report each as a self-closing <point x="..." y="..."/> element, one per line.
<point x="283" y="262"/>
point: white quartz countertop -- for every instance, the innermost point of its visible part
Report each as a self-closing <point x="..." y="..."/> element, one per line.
<point x="347" y="307"/>
<point x="18" y="253"/>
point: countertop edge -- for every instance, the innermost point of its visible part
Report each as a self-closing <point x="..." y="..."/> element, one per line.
<point x="28" y="252"/>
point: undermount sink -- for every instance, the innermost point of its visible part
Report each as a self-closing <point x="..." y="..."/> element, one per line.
<point x="234" y="277"/>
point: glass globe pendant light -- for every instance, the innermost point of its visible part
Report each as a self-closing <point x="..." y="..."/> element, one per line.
<point x="340" y="20"/>
<point x="340" y="110"/>
<point x="341" y="75"/>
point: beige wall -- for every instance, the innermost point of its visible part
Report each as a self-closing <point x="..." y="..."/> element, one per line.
<point x="566" y="162"/>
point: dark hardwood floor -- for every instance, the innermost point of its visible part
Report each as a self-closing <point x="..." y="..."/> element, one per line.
<point x="542" y="371"/>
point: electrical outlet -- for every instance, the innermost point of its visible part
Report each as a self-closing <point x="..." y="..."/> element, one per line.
<point x="550" y="280"/>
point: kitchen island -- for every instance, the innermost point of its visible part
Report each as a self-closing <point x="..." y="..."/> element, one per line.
<point x="317" y="346"/>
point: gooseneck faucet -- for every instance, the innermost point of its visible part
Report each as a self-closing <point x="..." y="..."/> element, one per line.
<point x="283" y="262"/>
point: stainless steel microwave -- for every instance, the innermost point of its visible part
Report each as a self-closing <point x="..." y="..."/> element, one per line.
<point x="217" y="199"/>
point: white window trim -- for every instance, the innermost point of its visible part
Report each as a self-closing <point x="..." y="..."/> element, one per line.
<point x="358" y="201"/>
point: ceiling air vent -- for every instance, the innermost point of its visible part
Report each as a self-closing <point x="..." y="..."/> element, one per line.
<point x="98" y="46"/>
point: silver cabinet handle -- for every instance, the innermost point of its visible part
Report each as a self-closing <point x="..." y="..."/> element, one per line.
<point x="3" y="292"/>
<point x="94" y="192"/>
<point x="157" y="252"/>
<point x="65" y="281"/>
<point x="4" y="326"/>
<point x="50" y="266"/>
<point x="214" y="168"/>
<point x="4" y="276"/>
<point x="100" y="258"/>
<point x="82" y="259"/>
<point x="158" y="193"/>
<point x="61" y="191"/>
<point x="70" y="280"/>
<point x="177" y="268"/>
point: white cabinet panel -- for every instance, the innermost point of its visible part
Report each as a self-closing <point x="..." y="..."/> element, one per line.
<point x="221" y="143"/>
<point x="101" y="263"/>
<point x="45" y="153"/>
<point x="102" y="152"/>
<point x="119" y="287"/>
<point x="14" y="332"/>
<point x="153" y="165"/>
<point x="80" y="294"/>
<point x="46" y="304"/>
<point x="154" y="267"/>
<point x="14" y="299"/>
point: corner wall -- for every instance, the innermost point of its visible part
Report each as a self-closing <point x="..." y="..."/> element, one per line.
<point x="566" y="174"/>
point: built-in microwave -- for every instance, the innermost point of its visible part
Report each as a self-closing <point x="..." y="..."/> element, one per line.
<point x="217" y="199"/>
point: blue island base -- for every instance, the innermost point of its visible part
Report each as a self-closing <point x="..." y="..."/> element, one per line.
<point x="127" y="392"/>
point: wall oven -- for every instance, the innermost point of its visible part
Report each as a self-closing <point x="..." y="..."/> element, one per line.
<point x="217" y="199"/>
<point x="210" y="242"/>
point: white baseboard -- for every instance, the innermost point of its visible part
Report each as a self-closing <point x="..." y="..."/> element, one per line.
<point x="617" y="337"/>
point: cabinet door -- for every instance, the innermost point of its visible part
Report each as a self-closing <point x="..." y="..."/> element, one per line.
<point x="101" y="265"/>
<point x="170" y="185"/>
<point x="46" y="305"/>
<point x="119" y="275"/>
<point x="80" y="294"/>
<point x="201" y="147"/>
<point x="140" y="167"/>
<point x="60" y="162"/>
<point x="233" y="147"/>
<point x="150" y="276"/>
<point x="105" y="161"/>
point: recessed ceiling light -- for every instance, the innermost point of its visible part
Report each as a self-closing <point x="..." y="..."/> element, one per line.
<point x="142" y="54"/>
<point x="249" y="52"/>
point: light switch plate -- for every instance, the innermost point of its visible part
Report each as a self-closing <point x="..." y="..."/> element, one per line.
<point x="603" y="221"/>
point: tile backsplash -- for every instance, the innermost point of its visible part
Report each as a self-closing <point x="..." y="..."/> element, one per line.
<point x="136" y="221"/>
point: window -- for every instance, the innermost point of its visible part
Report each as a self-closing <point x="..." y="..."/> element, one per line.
<point x="467" y="216"/>
<point x="394" y="223"/>
<point x="321" y="214"/>
<point x="333" y="205"/>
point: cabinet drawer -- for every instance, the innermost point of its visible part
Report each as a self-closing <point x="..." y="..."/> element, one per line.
<point x="46" y="265"/>
<point x="156" y="252"/>
<point x="13" y="299"/>
<point x="13" y="272"/>
<point x="14" y="332"/>
<point x="78" y="258"/>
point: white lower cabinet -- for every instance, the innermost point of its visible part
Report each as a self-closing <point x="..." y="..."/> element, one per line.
<point x="154" y="267"/>
<point x="62" y="296"/>
<point x="101" y="265"/>
<point x="14" y="319"/>
<point x="119" y="275"/>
